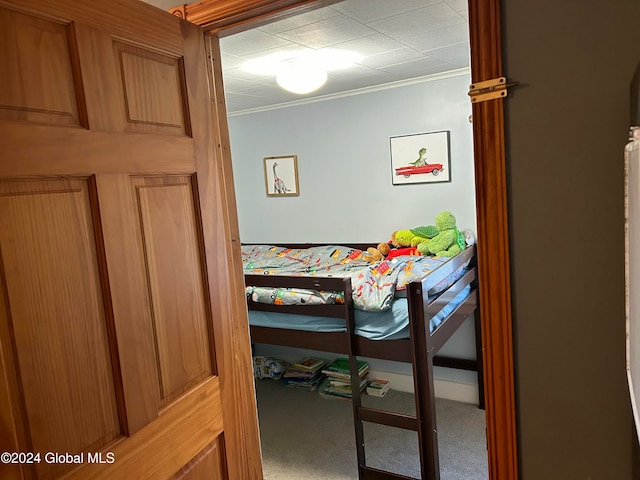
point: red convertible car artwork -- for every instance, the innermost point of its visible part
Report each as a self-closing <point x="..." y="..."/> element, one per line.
<point x="433" y="168"/>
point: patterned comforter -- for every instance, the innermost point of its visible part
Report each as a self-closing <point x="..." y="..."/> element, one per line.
<point x="374" y="284"/>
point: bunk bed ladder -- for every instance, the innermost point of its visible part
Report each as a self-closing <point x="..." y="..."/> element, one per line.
<point x="356" y="400"/>
<point x="422" y="362"/>
<point x="428" y="463"/>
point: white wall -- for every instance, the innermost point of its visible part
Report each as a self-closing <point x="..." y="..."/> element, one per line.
<point x="344" y="170"/>
<point x="344" y="165"/>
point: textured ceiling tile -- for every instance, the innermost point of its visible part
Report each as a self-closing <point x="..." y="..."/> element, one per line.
<point x="288" y="48"/>
<point x="239" y="73"/>
<point x="236" y="102"/>
<point x="230" y="62"/>
<point x="426" y="19"/>
<point x="327" y="32"/>
<point x="394" y="57"/>
<point x="250" y="41"/>
<point x="237" y="85"/>
<point x="273" y="92"/>
<point x="367" y="11"/>
<point x="418" y="68"/>
<point x="457" y="55"/>
<point x="357" y="72"/>
<point x="374" y="78"/>
<point x="405" y="39"/>
<point x="371" y="45"/>
<point x="438" y="38"/>
<point x="299" y="20"/>
<point x="458" y="5"/>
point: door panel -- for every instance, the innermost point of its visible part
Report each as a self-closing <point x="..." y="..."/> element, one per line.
<point x="170" y="235"/>
<point x="152" y="87"/>
<point x="57" y="317"/>
<point x="39" y="86"/>
<point x="114" y="228"/>
<point x="166" y="445"/>
<point x="206" y="466"/>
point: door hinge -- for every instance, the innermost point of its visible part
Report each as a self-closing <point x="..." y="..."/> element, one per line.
<point x="489" y="89"/>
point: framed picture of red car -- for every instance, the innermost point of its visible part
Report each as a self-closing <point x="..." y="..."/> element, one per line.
<point x="420" y="158"/>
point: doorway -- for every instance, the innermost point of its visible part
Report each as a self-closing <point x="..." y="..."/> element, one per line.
<point x="342" y="139"/>
<point x="223" y="18"/>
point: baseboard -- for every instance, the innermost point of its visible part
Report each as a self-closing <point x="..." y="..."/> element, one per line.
<point x="460" y="392"/>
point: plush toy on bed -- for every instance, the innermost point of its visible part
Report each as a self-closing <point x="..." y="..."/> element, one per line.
<point x="448" y="242"/>
<point x="376" y="254"/>
<point x="400" y="252"/>
<point x="406" y="238"/>
<point x="406" y="242"/>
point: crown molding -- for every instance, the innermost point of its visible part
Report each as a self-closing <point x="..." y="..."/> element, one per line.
<point x="359" y="91"/>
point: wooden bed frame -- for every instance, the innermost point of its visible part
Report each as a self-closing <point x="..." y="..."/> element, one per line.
<point x="419" y="349"/>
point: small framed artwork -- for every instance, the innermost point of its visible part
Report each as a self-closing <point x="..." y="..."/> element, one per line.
<point x="420" y="158"/>
<point x="281" y="176"/>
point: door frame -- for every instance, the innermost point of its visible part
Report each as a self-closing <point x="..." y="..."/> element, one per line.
<point x="220" y="18"/>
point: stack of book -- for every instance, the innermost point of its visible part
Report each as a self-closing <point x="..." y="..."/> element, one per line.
<point x="378" y="387"/>
<point x="305" y="374"/>
<point x="338" y="378"/>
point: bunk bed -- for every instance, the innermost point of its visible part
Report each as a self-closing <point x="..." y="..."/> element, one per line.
<point x="436" y="303"/>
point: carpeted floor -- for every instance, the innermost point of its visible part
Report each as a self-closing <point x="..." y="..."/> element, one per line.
<point x="305" y="436"/>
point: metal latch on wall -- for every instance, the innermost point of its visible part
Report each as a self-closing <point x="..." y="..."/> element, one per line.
<point x="489" y="89"/>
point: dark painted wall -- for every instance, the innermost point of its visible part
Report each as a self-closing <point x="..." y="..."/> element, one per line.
<point x="567" y="125"/>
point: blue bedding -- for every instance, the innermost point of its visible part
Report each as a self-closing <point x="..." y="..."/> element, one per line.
<point x="389" y="324"/>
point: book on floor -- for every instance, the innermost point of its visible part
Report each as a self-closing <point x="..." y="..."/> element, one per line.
<point x="347" y="383"/>
<point x="305" y="374"/>
<point x="339" y="368"/>
<point x="328" y="391"/>
<point x="340" y="389"/>
<point x="332" y="396"/>
<point x="378" y="387"/>
<point x="292" y="372"/>
<point x="310" y="364"/>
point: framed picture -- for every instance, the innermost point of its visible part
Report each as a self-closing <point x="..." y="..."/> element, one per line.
<point x="420" y="158"/>
<point x="281" y="176"/>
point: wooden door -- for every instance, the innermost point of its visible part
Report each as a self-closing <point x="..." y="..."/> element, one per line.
<point x="124" y="348"/>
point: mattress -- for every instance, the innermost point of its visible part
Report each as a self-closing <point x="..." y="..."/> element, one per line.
<point x="375" y="285"/>
<point x="389" y="324"/>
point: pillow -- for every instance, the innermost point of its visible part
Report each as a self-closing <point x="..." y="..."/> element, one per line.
<point x="267" y="367"/>
<point x="294" y="296"/>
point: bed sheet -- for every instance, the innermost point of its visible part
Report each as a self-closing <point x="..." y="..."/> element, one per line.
<point x="389" y="324"/>
<point x="374" y="285"/>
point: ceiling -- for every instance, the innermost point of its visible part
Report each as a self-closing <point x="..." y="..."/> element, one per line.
<point x="399" y="40"/>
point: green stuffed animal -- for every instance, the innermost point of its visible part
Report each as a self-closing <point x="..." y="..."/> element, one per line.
<point x="403" y="238"/>
<point x="428" y="231"/>
<point x="447" y="242"/>
<point x="413" y="237"/>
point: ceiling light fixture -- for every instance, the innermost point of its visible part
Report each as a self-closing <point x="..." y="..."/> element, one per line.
<point x="302" y="71"/>
<point x="300" y="76"/>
